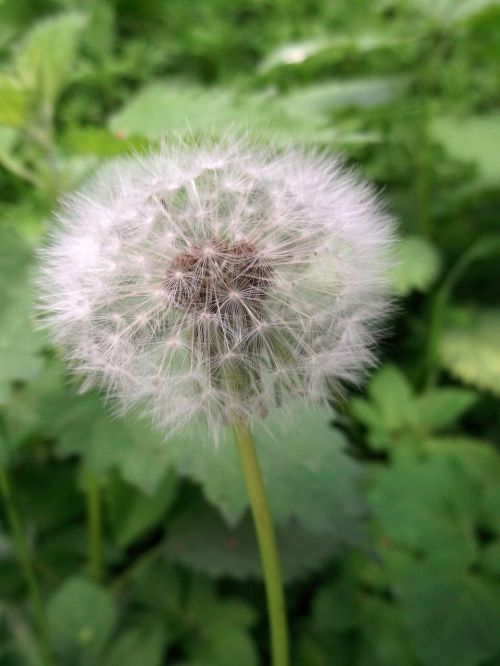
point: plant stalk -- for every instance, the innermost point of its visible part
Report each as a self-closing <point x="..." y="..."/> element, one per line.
<point x="94" y="526"/>
<point x="267" y="544"/>
<point x="26" y="565"/>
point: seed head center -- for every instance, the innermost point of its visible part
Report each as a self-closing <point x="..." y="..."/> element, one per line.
<point x="217" y="275"/>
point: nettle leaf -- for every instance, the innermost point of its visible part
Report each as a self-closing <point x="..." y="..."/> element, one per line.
<point x="132" y="512"/>
<point x="452" y="614"/>
<point x="82" y="617"/>
<point x="416" y="265"/>
<point x="45" y="58"/>
<point x="138" y="646"/>
<point x="223" y="628"/>
<point x="199" y="539"/>
<point x="469" y="348"/>
<point x="396" y="415"/>
<point x="472" y="139"/>
<point x="426" y="505"/>
<point x="83" y="425"/>
<point x="307" y="473"/>
<point x="442" y="407"/>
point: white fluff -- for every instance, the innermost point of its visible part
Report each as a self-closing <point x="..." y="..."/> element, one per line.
<point x="218" y="279"/>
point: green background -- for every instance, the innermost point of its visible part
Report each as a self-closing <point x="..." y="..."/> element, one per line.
<point x="388" y="509"/>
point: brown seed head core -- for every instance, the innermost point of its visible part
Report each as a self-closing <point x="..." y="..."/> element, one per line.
<point x="218" y="276"/>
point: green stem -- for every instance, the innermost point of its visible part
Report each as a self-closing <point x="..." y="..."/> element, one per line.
<point x="94" y="525"/>
<point x="483" y="247"/>
<point x="267" y="544"/>
<point x="26" y="565"/>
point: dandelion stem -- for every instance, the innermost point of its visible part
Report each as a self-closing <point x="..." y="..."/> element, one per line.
<point x="267" y="544"/>
<point x="94" y="525"/>
<point x="26" y="565"/>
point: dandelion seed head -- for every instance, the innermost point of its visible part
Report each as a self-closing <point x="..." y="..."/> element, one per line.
<point x="218" y="279"/>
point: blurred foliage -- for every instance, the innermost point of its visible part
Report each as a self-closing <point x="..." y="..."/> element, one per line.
<point x="388" y="511"/>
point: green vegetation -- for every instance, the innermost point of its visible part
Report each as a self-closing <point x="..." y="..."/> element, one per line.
<point x="133" y="552"/>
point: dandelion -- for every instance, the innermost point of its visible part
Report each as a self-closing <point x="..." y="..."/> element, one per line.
<point x="217" y="280"/>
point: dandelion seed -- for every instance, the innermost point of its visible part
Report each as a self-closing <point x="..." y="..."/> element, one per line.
<point x="212" y="280"/>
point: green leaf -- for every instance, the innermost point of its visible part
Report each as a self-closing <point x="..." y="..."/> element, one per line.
<point x="83" y="425"/>
<point x="178" y="107"/>
<point x="81" y="617"/>
<point x="441" y="408"/>
<point x="223" y="626"/>
<point x="452" y="614"/>
<point x="45" y="59"/>
<point x="306" y="472"/>
<point x="472" y="139"/>
<point x="469" y="348"/>
<point x="426" y="505"/>
<point x="416" y="265"/>
<point x="138" y="646"/>
<point x="13" y="102"/>
<point x="133" y="513"/>
<point x="199" y="539"/>
<point x="393" y="398"/>
<point x="327" y="48"/>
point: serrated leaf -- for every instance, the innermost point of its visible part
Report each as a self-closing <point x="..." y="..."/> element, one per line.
<point x="472" y="139"/>
<point x="133" y="513"/>
<point x="416" y="265"/>
<point x="199" y="539"/>
<point x="138" y="646"/>
<point x="46" y="55"/>
<point x="224" y="638"/>
<point x="393" y="397"/>
<point x="84" y="425"/>
<point x="426" y="506"/>
<point x="306" y="471"/>
<point x="81" y="617"/>
<point x="469" y="348"/>
<point x="441" y="408"/>
<point x="455" y="621"/>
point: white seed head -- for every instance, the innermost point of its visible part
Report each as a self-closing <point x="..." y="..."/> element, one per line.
<point x="218" y="279"/>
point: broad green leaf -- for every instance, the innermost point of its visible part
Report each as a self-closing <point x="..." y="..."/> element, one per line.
<point x="452" y="614"/>
<point x="490" y="558"/>
<point x="449" y="12"/>
<point x="307" y="473"/>
<point x="178" y="107"/>
<point x="82" y="617"/>
<point x="133" y="513"/>
<point x="12" y="102"/>
<point x="45" y="59"/>
<point x="100" y="142"/>
<point x="426" y="506"/>
<point x="416" y="265"/>
<point x="20" y="345"/>
<point x="469" y="348"/>
<point x="199" y="539"/>
<point x="322" y="98"/>
<point x="393" y="397"/>
<point x="385" y="636"/>
<point x="138" y="646"/>
<point x="296" y="53"/>
<point x="472" y="139"/>
<point x="83" y="425"/>
<point x="442" y="407"/>
<point x="222" y="636"/>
